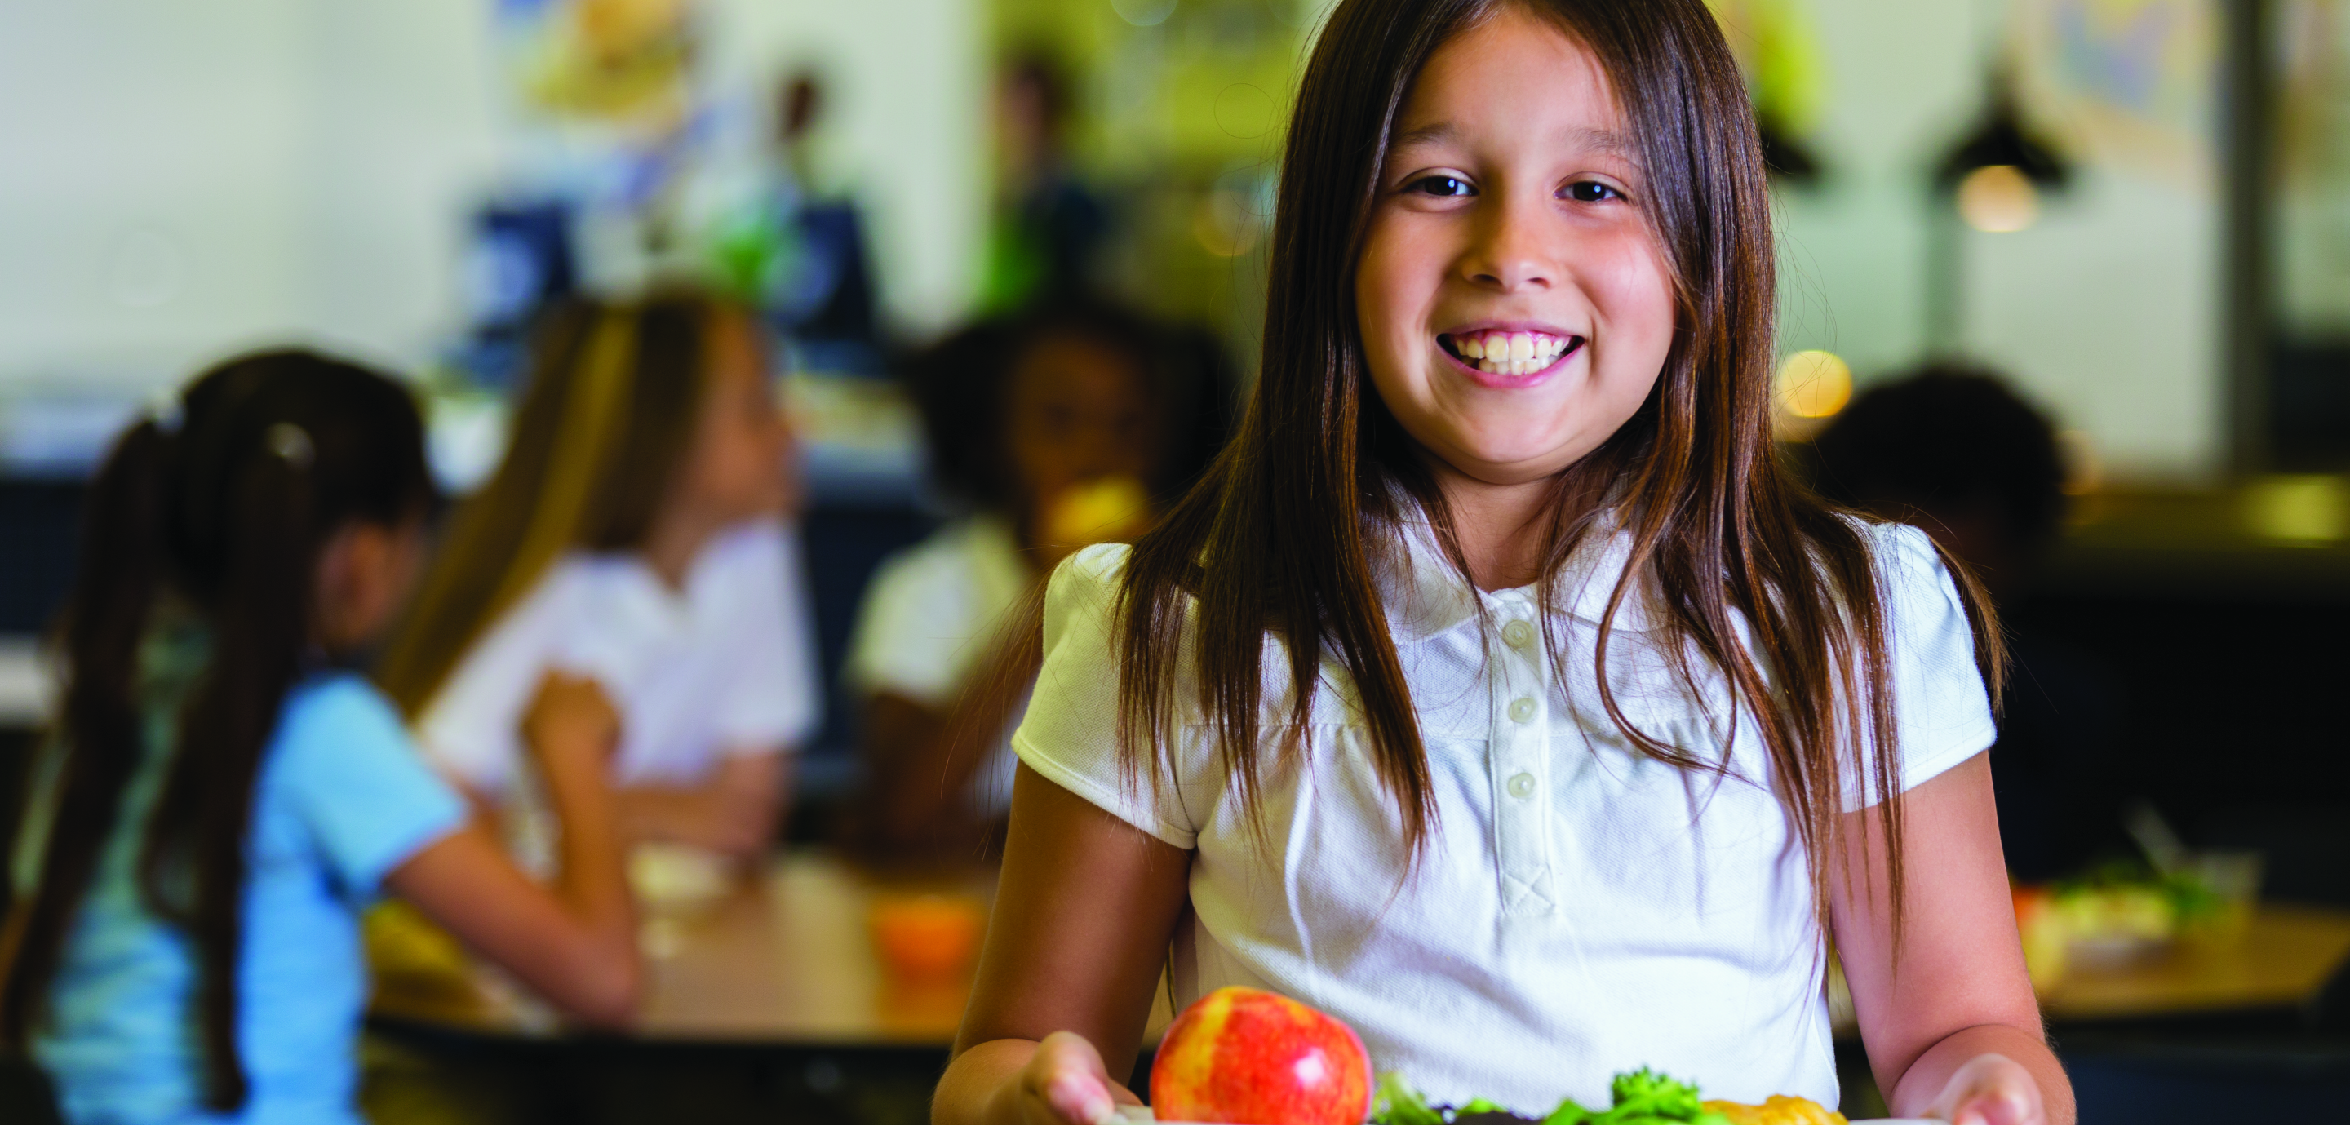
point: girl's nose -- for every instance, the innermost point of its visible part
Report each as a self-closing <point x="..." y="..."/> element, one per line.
<point x="1512" y="250"/>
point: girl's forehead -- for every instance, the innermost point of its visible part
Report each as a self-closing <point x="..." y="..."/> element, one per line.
<point x="1513" y="71"/>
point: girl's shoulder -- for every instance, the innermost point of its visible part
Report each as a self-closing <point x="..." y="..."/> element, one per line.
<point x="339" y="706"/>
<point x="1911" y="573"/>
<point x="1083" y="591"/>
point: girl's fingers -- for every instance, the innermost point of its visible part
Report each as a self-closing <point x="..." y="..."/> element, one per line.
<point x="2000" y="1106"/>
<point x="1067" y="1075"/>
<point x="1992" y="1090"/>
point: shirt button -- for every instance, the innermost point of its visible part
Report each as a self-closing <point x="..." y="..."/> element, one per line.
<point x="1522" y="786"/>
<point x="1518" y="633"/>
<point x="1522" y="709"/>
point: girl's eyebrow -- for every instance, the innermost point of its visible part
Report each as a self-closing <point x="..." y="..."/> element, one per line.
<point x="1582" y="138"/>
<point x="1426" y="134"/>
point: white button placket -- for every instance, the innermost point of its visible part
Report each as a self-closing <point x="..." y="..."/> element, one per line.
<point x="1519" y="757"/>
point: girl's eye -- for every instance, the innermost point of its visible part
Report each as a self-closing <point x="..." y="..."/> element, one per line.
<point x="1591" y="191"/>
<point x="1439" y="185"/>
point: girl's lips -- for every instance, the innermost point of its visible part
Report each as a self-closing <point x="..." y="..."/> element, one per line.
<point x="1502" y="381"/>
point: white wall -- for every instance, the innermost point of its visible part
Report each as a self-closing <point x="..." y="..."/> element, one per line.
<point x="181" y="179"/>
<point x="150" y="155"/>
<point x="907" y="118"/>
<point x="2105" y="311"/>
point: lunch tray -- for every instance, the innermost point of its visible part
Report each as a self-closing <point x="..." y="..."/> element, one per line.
<point x="1141" y="1115"/>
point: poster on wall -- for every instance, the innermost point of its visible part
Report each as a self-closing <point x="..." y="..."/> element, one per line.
<point x="605" y="112"/>
<point x="2130" y="83"/>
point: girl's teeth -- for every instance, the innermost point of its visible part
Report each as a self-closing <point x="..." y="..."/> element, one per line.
<point x="1509" y="353"/>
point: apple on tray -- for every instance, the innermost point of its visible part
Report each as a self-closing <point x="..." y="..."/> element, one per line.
<point x="1243" y="1056"/>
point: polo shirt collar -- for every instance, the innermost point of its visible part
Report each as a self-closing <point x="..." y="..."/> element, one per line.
<point x="1426" y="597"/>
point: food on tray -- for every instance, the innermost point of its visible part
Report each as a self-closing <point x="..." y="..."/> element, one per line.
<point x="1778" y="1109"/>
<point x="1640" y="1097"/>
<point x="1241" y="1056"/>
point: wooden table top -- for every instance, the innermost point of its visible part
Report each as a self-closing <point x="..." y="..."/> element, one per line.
<point x="789" y="960"/>
<point x="2284" y="959"/>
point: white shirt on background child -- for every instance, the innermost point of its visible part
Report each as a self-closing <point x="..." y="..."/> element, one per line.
<point x="1579" y="909"/>
<point x="724" y="666"/>
<point x="929" y="617"/>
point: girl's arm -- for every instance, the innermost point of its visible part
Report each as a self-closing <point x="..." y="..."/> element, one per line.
<point x="736" y="812"/>
<point x="1083" y="916"/>
<point x="574" y="942"/>
<point x="1952" y="1028"/>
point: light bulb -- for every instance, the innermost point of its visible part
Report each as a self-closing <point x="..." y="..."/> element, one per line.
<point x="1998" y="199"/>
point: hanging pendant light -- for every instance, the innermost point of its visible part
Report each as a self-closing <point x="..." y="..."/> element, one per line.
<point x="1997" y="172"/>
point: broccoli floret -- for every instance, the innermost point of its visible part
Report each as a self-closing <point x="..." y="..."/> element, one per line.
<point x="1644" y="1096"/>
<point x="1398" y="1104"/>
<point x="1569" y="1113"/>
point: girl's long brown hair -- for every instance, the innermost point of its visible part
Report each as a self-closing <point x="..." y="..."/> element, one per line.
<point x="607" y="418"/>
<point x="224" y="520"/>
<point x="1274" y="540"/>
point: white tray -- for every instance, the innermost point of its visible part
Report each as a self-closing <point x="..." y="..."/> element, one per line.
<point x="1141" y="1115"/>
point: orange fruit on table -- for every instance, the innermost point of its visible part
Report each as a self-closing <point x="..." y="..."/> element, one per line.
<point x="926" y="936"/>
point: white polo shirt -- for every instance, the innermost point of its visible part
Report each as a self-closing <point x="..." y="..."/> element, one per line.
<point x="726" y="665"/>
<point x="1580" y="909"/>
<point x="930" y="615"/>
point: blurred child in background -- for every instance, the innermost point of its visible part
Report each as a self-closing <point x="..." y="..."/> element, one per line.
<point x="633" y="537"/>
<point x="1062" y="429"/>
<point x="1950" y="448"/>
<point x="223" y="796"/>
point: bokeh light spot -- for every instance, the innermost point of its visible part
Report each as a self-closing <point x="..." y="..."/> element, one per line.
<point x="1998" y="199"/>
<point x="1814" y="384"/>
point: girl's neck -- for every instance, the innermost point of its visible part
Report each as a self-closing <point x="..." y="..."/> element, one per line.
<point x="675" y="540"/>
<point x="1503" y="529"/>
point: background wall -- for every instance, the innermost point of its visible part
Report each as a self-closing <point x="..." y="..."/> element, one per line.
<point x="2105" y="311"/>
<point x="178" y="180"/>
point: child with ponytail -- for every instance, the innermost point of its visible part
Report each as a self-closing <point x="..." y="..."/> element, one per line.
<point x="1496" y="691"/>
<point x="223" y="796"/>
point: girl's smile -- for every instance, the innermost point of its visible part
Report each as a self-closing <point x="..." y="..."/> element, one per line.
<point x="1505" y="356"/>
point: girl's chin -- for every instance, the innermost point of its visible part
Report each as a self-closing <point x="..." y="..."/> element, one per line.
<point x="1504" y="463"/>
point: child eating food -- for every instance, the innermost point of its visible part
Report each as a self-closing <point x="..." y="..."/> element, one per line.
<point x="224" y="795"/>
<point x="1496" y="692"/>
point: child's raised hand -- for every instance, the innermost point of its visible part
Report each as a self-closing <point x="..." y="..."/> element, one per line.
<point x="571" y="725"/>
<point x="1990" y="1090"/>
<point x="1065" y="1083"/>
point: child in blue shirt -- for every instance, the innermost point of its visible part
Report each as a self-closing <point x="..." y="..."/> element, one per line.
<point x="223" y="799"/>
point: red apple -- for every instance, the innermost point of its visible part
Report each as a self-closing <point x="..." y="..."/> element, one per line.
<point x="1242" y="1056"/>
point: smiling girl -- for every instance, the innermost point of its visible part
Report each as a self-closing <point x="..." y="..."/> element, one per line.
<point x="1496" y="692"/>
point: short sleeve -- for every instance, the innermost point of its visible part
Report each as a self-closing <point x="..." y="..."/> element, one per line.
<point x="772" y="700"/>
<point x="912" y="632"/>
<point x="345" y="766"/>
<point x="1070" y="733"/>
<point x="1942" y="712"/>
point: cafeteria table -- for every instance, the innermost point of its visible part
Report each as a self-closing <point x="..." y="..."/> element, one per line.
<point x="775" y="986"/>
<point x="2284" y="960"/>
<point x="785" y="959"/>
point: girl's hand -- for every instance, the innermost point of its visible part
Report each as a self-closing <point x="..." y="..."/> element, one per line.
<point x="571" y="727"/>
<point x="1990" y="1090"/>
<point x="1065" y="1083"/>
